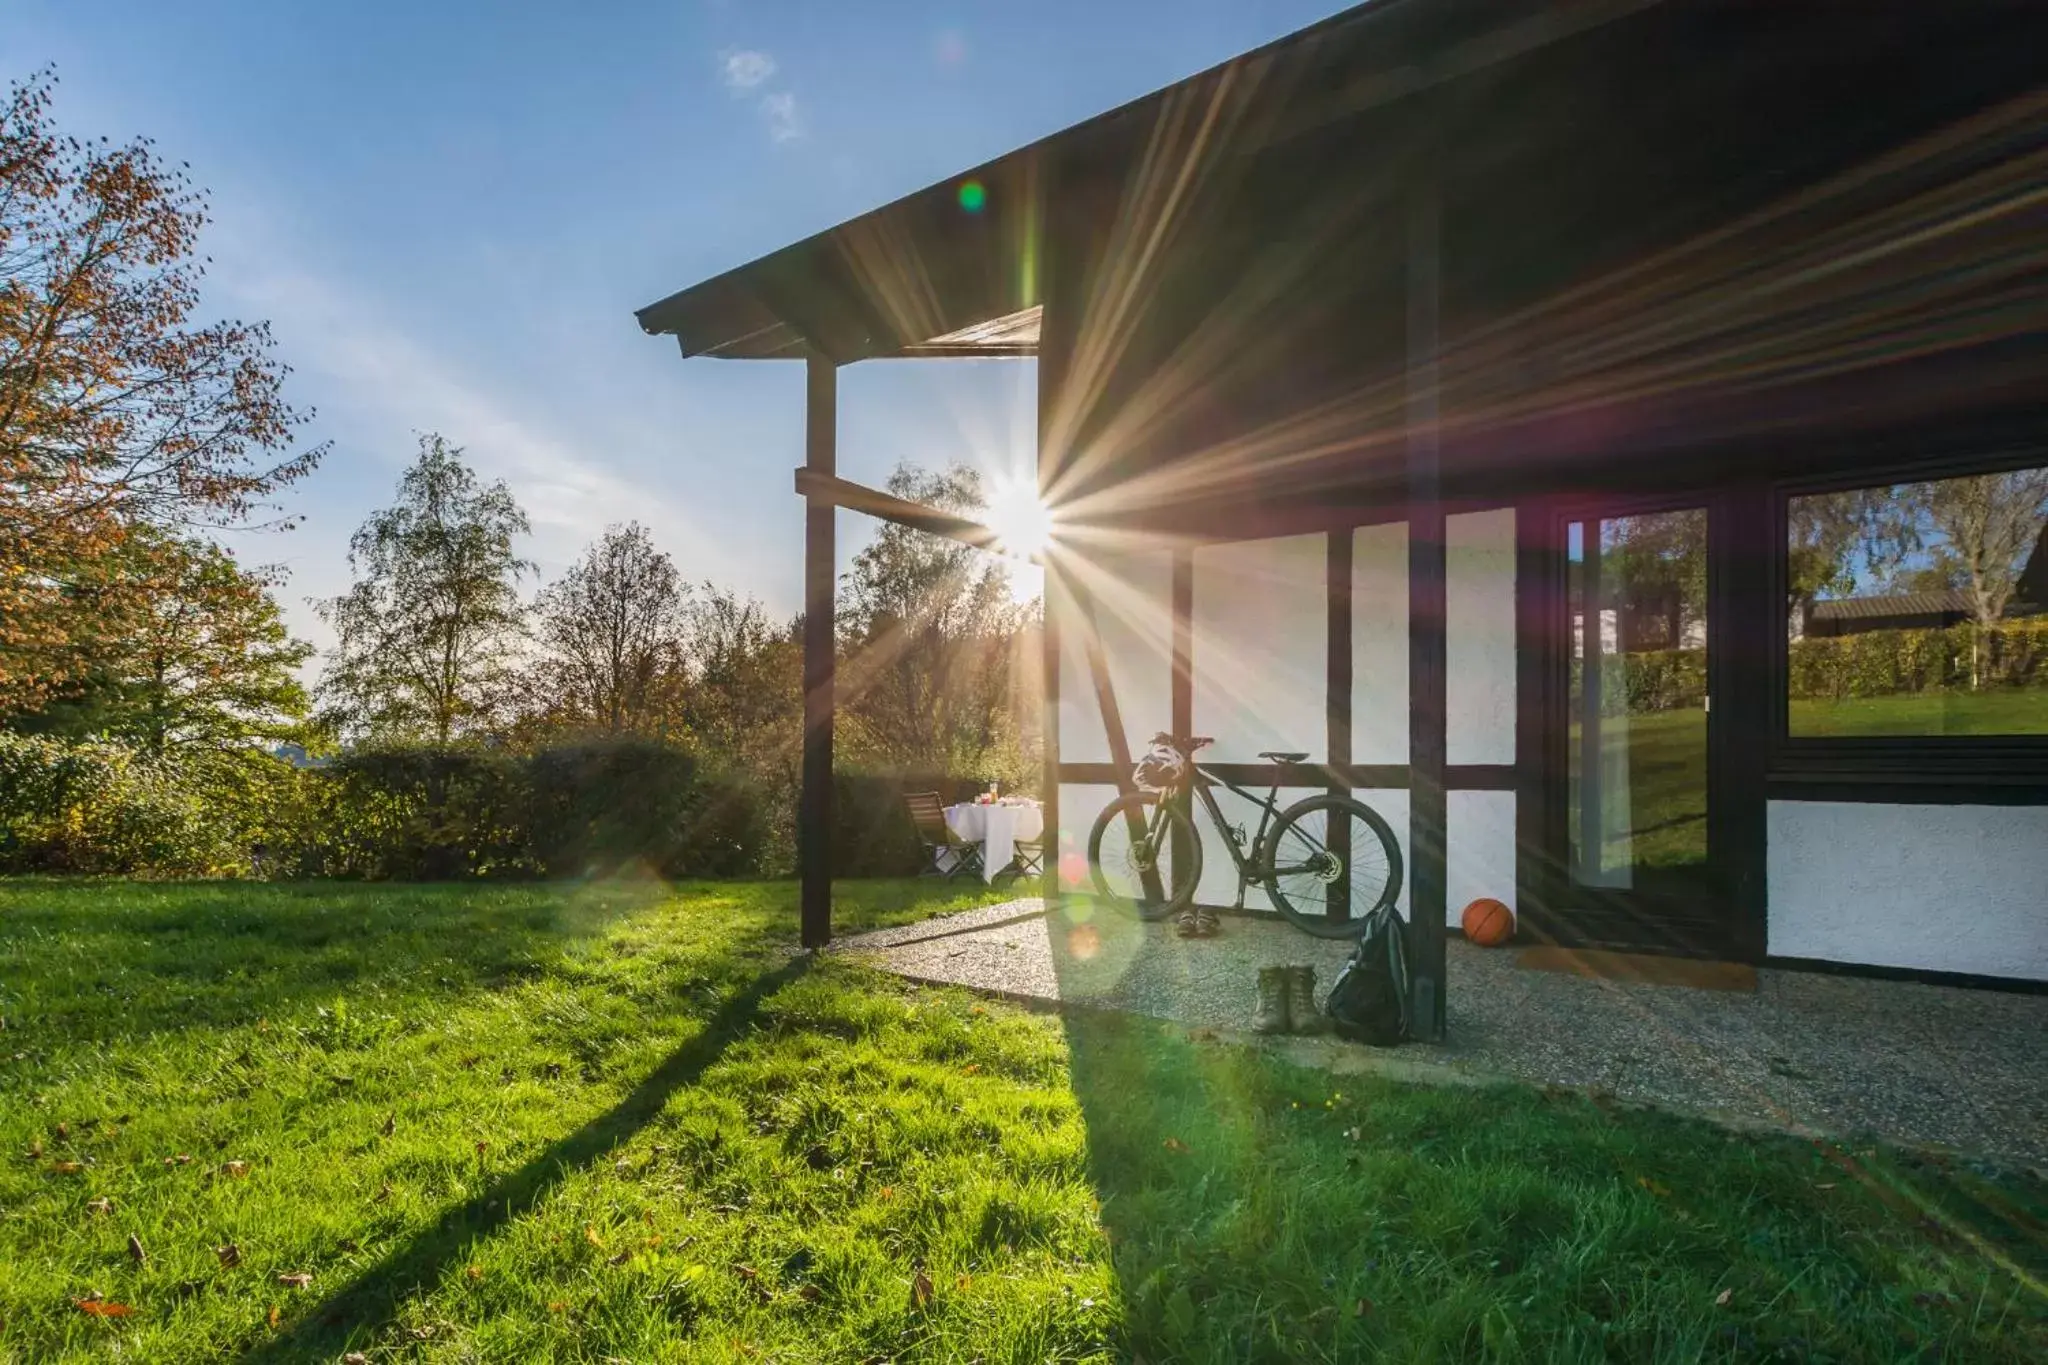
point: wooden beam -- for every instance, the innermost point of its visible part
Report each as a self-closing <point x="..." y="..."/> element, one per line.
<point x="814" y="806"/>
<point x="833" y="491"/>
<point x="1428" y="662"/>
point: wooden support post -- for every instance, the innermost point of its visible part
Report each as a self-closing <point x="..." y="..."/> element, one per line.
<point x="1427" y="663"/>
<point x="814" y="807"/>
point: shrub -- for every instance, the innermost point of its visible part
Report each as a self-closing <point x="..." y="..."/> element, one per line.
<point x="872" y="835"/>
<point x="104" y="808"/>
<point x="412" y="813"/>
<point x="606" y="804"/>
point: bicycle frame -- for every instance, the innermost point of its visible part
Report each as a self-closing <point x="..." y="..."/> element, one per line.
<point x="1245" y="857"/>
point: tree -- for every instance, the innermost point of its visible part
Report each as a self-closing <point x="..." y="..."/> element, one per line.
<point x="928" y="634"/>
<point x="611" y="634"/>
<point x="425" y="636"/>
<point x="202" y="660"/>
<point x="744" y="706"/>
<point x="1979" y="531"/>
<point x="116" y="410"/>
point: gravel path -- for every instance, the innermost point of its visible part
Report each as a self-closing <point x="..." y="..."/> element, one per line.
<point x="1919" y="1064"/>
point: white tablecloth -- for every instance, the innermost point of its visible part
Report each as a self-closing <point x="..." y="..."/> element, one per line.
<point x="998" y="829"/>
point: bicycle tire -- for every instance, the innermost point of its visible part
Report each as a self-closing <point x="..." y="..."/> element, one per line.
<point x="1185" y="872"/>
<point x="1290" y="894"/>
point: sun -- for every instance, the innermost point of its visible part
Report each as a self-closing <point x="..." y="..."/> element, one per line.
<point x="1022" y="523"/>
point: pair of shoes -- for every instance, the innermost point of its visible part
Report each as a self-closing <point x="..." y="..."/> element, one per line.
<point x="1195" y="922"/>
<point x="1287" y="1001"/>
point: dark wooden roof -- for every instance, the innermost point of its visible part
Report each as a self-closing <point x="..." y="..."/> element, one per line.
<point x="1890" y="605"/>
<point x="922" y="275"/>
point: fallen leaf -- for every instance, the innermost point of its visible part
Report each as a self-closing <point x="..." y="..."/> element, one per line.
<point x="230" y="1255"/>
<point x="272" y="1316"/>
<point x="886" y="1192"/>
<point x="745" y="1272"/>
<point x="100" y="1205"/>
<point x="297" y="1280"/>
<point x="556" y="1306"/>
<point x="389" y="1126"/>
<point x="1721" y="1299"/>
<point x="920" y="1290"/>
<point x="1174" y="1144"/>
<point x="1361" y="1308"/>
<point x="475" y="1272"/>
<point x="590" y="1236"/>
<point x="970" y="1068"/>
<point x="809" y="1293"/>
<point x="66" y="1167"/>
<point x="355" y="1358"/>
<point x="135" y="1251"/>
<point x="235" y="1170"/>
<point x="962" y="1281"/>
<point x="482" y="1147"/>
<point x="1653" y="1187"/>
<point x="102" y="1308"/>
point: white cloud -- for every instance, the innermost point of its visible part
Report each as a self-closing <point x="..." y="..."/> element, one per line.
<point x="785" y="124"/>
<point x="745" y="69"/>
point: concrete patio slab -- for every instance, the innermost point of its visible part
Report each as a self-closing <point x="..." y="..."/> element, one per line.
<point x="1919" y="1064"/>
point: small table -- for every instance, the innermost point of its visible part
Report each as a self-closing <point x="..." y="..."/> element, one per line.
<point x="998" y="829"/>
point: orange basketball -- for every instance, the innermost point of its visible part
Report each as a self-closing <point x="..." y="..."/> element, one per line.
<point x="1488" y="923"/>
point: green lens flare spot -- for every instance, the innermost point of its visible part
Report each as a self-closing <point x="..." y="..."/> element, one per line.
<point x="973" y="194"/>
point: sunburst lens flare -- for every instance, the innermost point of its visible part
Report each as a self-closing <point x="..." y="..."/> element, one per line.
<point x="1022" y="523"/>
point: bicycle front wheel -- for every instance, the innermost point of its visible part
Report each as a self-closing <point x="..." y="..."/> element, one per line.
<point x="1145" y="853"/>
<point x="1330" y="863"/>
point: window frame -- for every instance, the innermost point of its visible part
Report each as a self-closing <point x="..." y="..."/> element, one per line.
<point x="1972" y="769"/>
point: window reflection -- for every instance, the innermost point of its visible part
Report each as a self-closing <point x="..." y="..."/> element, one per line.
<point x="1920" y="608"/>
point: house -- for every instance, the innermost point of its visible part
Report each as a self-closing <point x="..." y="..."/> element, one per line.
<point x="1887" y="611"/>
<point x="1371" y="360"/>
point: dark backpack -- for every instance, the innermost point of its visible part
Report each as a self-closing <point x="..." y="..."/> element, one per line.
<point x="1368" y="1002"/>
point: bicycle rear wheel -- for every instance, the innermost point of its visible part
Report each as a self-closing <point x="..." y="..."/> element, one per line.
<point x="1330" y="863"/>
<point x="1146" y="854"/>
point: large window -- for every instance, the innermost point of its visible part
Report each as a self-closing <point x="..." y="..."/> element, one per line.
<point x="1920" y="608"/>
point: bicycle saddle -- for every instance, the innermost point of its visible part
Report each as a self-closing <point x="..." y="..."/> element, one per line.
<point x="1279" y="757"/>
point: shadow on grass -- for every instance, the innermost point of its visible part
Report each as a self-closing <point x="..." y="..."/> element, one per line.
<point x="367" y="1304"/>
<point x="97" y="960"/>
<point x="1258" y="1211"/>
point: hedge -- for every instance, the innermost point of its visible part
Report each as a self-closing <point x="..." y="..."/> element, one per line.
<point x="872" y="834"/>
<point x="404" y="813"/>
<point x="1874" y="663"/>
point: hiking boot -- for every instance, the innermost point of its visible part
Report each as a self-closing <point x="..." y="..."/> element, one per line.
<point x="1206" y="923"/>
<point x="1188" y="924"/>
<point x="1272" y="1012"/>
<point x="1301" y="1000"/>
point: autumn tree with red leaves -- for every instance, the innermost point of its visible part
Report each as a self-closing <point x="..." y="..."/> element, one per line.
<point x="118" y="410"/>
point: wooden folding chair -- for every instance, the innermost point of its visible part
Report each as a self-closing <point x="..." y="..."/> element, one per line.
<point x="948" y="856"/>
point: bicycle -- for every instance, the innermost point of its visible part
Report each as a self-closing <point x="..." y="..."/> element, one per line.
<point x="1309" y="858"/>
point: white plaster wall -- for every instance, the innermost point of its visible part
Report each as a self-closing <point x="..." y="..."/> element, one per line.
<point x="1479" y="630"/>
<point x="1134" y="606"/>
<point x="1259" y="643"/>
<point x="1080" y="803"/>
<point x="1940" y="888"/>
<point x="1379" y="644"/>
<point x="1480" y="831"/>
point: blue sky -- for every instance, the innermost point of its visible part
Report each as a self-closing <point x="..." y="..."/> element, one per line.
<point x="448" y="210"/>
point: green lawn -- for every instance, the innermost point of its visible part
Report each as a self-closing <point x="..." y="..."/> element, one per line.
<point x="1994" y="711"/>
<point x="622" y="1122"/>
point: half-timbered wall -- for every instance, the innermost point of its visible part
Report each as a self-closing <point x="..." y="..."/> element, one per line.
<point x="1260" y="678"/>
